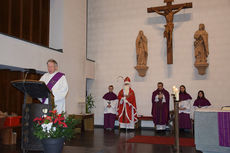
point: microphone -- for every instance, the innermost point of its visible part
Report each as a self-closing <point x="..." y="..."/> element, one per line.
<point x="26" y="72"/>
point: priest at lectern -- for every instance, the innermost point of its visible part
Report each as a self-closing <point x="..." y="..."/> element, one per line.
<point x="56" y="82"/>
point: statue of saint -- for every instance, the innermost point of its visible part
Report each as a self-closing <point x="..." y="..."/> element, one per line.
<point x="201" y="45"/>
<point x="141" y="49"/>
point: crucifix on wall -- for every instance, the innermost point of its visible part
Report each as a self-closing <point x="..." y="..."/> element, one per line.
<point x="168" y="12"/>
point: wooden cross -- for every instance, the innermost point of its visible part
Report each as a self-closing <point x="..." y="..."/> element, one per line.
<point x="168" y="12"/>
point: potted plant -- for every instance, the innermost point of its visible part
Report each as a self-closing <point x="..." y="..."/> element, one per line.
<point x="89" y="103"/>
<point x="53" y="129"/>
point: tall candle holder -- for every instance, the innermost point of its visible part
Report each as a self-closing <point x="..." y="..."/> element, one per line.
<point x="176" y="148"/>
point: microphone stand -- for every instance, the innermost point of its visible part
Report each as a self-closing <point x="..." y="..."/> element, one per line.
<point x="26" y="72"/>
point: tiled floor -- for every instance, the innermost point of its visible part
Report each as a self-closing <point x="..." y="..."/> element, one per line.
<point x="101" y="141"/>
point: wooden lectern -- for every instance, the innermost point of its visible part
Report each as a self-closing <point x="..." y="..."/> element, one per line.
<point x="32" y="89"/>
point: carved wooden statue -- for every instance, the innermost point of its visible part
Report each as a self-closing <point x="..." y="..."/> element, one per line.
<point x="168" y="12"/>
<point x="141" y="49"/>
<point x="201" y="49"/>
<point x="142" y="53"/>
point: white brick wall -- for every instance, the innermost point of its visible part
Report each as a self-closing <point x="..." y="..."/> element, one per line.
<point x="113" y="26"/>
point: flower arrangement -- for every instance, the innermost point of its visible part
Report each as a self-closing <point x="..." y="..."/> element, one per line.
<point x="54" y="125"/>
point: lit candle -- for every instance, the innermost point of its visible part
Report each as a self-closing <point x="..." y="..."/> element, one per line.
<point x="177" y="94"/>
<point x="174" y="89"/>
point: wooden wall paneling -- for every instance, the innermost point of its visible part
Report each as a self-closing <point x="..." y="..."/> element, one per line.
<point x="15" y="18"/>
<point x="4" y="90"/>
<point x="4" y="16"/>
<point x="16" y="97"/>
<point x="11" y="99"/>
<point x="40" y="21"/>
<point x="31" y="19"/>
<point x="36" y="18"/>
<point x="19" y="95"/>
<point x="26" y="20"/>
<point x="9" y="16"/>
<point x="33" y="76"/>
<point x="1" y="91"/>
<point x="7" y="88"/>
<point x="45" y="22"/>
<point x="21" y="19"/>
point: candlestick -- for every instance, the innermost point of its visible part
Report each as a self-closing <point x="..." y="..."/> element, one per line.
<point x="177" y="94"/>
<point x="173" y="90"/>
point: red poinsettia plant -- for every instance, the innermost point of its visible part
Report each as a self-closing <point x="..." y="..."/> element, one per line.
<point x="54" y="125"/>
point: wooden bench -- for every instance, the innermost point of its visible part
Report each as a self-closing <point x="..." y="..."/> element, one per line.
<point x="140" y="118"/>
<point x="145" y="118"/>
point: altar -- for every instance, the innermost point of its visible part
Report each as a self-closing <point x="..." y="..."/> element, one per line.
<point x="207" y="131"/>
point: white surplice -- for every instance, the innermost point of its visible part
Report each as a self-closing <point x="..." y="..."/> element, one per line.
<point x="187" y="105"/>
<point x="112" y="109"/>
<point x="59" y="90"/>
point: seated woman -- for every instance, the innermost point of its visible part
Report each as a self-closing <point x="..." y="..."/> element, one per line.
<point x="201" y="101"/>
<point x="184" y="109"/>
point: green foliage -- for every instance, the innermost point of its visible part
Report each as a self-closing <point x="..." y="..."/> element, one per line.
<point x="89" y="103"/>
<point x="71" y="123"/>
<point x="54" y="126"/>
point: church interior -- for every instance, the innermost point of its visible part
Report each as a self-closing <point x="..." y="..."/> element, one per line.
<point x="146" y="45"/>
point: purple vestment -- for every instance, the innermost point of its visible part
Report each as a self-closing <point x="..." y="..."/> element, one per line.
<point x="224" y="128"/>
<point x="160" y="111"/>
<point x="52" y="82"/>
<point x="184" y="118"/>
<point x="110" y="96"/>
<point x="184" y="96"/>
<point x="185" y="121"/>
<point x="109" y="118"/>
<point x="201" y="102"/>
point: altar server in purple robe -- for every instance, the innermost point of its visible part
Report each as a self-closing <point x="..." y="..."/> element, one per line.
<point x="110" y="108"/>
<point x="201" y="101"/>
<point x="184" y="109"/>
<point x="56" y="82"/>
<point x="160" y="107"/>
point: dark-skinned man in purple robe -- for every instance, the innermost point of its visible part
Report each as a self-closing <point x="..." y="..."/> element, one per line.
<point x="160" y="107"/>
